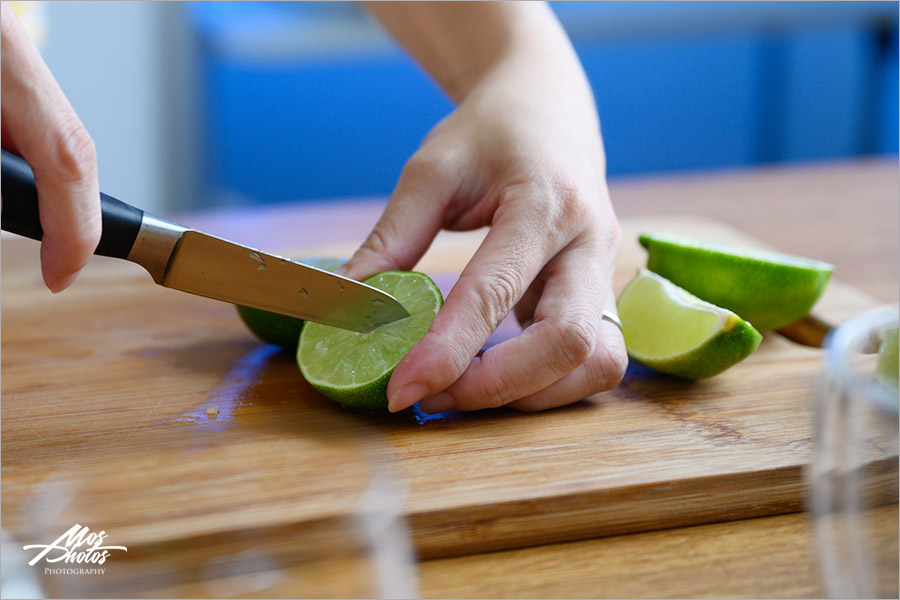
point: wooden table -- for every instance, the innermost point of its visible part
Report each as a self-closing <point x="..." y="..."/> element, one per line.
<point x="845" y="213"/>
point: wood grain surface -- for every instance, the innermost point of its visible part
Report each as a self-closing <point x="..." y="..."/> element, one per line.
<point x="156" y="416"/>
<point x="770" y="557"/>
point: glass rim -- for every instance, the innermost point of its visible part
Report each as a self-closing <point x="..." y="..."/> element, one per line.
<point x="851" y="334"/>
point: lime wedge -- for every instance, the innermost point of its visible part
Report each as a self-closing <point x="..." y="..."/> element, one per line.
<point x="768" y="289"/>
<point x="888" y="365"/>
<point x="354" y="368"/>
<point x="674" y="332"/>
<point x="283" y="330"/>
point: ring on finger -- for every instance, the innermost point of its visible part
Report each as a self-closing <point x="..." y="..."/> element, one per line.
<point x="613" y="318"/>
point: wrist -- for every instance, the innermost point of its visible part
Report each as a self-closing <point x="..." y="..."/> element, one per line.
<point x="461" y="44"/>
<point x="526" y="45"/>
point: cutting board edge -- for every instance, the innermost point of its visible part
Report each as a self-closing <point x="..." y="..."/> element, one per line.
<point x="472" y="529"/>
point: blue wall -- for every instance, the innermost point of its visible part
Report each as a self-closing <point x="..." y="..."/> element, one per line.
<point x="324" y="128"/>
<point x="750" y="86"/>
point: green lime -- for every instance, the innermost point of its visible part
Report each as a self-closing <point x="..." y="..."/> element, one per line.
<point x="888" y="365"/>
<point x="354" y="368"/>
<point x="283" y="330"/>
<point x="768" y="289"/>
<point x="674" y="332"/>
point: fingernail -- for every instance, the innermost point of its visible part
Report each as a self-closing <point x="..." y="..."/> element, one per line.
<point x="63" y="282"/>
<point x="438" y="403"/>
<point x="406" y="396"/>
<point x="349" y="272"/>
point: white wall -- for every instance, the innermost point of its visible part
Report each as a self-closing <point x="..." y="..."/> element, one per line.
<point x="109" y="57"/>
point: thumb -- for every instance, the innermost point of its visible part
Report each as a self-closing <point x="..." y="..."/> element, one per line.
<point x="411" y="220"/>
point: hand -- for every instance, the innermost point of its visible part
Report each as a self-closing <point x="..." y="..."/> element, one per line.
<point x="39" y="124"/>
<point x="524" y="156"/>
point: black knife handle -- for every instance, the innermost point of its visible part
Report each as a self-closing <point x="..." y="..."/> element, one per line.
<point x="120" y="222"/>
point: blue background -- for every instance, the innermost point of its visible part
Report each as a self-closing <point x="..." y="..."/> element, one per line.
<point x="679" y="86"/>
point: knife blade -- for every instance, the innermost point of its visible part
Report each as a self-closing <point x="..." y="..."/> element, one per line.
<point x="188" y="260"/>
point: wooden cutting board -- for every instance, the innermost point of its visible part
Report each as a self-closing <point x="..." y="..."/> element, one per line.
<point x="157" y="417"/>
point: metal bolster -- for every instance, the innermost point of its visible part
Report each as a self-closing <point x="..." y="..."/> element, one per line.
<point x="154" y="244"/>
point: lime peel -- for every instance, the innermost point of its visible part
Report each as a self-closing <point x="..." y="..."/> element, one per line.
<point x="674" y="332"/>
<point x="767" y="288"/>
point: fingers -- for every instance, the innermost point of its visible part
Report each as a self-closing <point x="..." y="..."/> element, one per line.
<point x="42" y="126"/>
<point x="512" y="254"/>
<point x="411" y="220"/>
<point x="563" y="355"/>
<point x="528" y="304"/>
<point x="602" y="371"/>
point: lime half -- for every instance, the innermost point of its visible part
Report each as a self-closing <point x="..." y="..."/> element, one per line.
<point x="354" y="368"/>
<point x="768" y="289"/>
<point x="674" y="332"/>
<point x="277" y="329"/>
<point x="886" y="369"/>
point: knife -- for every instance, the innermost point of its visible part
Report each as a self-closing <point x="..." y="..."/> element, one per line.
<point x="809" y="331"/>
<point x="184" y="259"/>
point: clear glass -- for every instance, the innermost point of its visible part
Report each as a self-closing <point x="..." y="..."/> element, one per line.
<point x="332" y="549"/>
<point x="853" y="477"/>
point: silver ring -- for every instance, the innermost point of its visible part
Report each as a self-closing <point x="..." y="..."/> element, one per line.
<point x="614" y="319"/>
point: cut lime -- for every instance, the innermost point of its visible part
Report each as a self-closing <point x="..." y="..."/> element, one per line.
<point x="283" y="330"/>
<point x="354" y="368"/>
<point x="768" y="289"/>
<point x="674" y="332"/>
<point x="888" y="365"/>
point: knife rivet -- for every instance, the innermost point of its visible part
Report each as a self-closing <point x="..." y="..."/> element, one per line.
<point x="377" y="301"/>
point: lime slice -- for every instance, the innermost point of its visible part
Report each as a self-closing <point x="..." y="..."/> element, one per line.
<point x="674" y="332"/>
<point x="354" y="368"/>
<point x="283" y="330"/>
<point x="888" y="365"/>
<point x="768" y="289"/>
